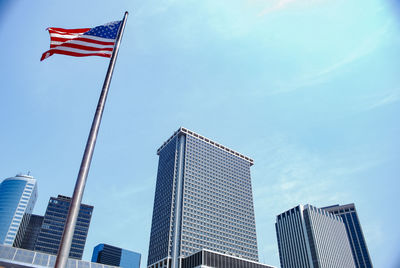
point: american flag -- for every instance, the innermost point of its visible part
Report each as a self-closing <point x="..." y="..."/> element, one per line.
<point x="97" y="41"/>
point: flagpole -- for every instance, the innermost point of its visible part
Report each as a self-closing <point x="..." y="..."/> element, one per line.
<point x="66" y="241"/>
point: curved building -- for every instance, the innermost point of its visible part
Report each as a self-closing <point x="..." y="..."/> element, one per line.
<point x="17" y="198"/>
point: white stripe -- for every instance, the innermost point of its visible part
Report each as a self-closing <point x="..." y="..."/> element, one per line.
<point x="81" y="51"/>
<point x="73" y="36"/>
<point x="83" y="43"/>
<point x="68" y="36"/>
<point x="98" y="38"/>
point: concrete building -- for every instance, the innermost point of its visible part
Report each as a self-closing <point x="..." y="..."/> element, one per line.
<point x="207" y="258"/>
<point x="354" y="233"/>
<point x="309" y="237"/>
<point x="203" y="201"/>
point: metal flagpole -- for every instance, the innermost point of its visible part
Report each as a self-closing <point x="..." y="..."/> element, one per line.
<point x="66" y="241"/>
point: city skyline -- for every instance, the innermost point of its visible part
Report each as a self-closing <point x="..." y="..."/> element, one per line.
<point x="308" y="89"/>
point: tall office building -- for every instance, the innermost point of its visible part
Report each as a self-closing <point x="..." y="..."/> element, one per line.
<point x="203" y="201"/>
<point x="354" y="233"/>
<point x="17" y="198"/>
<point x="49" y="238"/>
<point x="32" y="232"/>
<point x="115" y="256"/>
<point x="309" y="237"/>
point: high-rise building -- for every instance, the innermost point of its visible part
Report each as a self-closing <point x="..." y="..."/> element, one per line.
<point x="354" y="233"/>
<point x="17" y="198"/>
<point x="203" y="200"/>
<point x="50" y="235"/>
<point x="309" y="237"/>
<point x="32" y="232"/>
<point x="115" y="256"/>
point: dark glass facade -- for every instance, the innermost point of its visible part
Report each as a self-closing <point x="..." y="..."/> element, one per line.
<point x="49" y="238"/>
<point x="32" y="232"/>
<point x="354" y="232"/>
<point x="115" y="256"/>
<point x="203" y="200"/>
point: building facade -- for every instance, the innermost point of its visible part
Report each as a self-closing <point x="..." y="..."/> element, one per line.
<point x="52" y="228"/>
<point x="203" y="200"/>
<point x="32" y="232"/>
<point x="207" y="258"/>
<point x="21" y="258"/>
<point x="17" y="199"/>
<point x="354" y="233"/>
<point x="115" y="256"/>
<point x="309" y="237"/>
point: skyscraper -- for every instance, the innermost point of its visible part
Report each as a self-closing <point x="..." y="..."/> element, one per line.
<point x="17" y="198"/>
<point x="32" y="232"/>
<point x="354" y="233"/>
<point x="53" y="224"/>
<point x="115" y="256"/>
<point x="203" y="200"/>
<point x="309" y="237"/>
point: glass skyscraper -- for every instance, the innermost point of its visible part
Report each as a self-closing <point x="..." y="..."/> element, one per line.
<point x="203" y="200"/>
<point x="354" y="233"/>
<point x="32" y="232"/>
<point x="115" y="256"/>
<point x="309" y="237"/>
<point x="49" y="238"/>
<point x="17" y="198"/>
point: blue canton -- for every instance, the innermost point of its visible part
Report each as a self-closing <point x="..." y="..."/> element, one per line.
<point x="108" y="30"/>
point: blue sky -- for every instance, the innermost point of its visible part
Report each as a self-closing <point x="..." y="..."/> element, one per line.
<point x="308" y="88"/>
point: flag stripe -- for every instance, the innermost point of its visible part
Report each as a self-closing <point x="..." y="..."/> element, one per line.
<point x="85" y="39"/>
<point x="79" y="51"/>
<point x="81" y="43"/>
<point x="71" y="53"/>
<point x="82" y="30"/>
<point x="82" y="47"/>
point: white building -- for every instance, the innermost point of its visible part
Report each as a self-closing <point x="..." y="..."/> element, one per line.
<point x="309" y="237"/>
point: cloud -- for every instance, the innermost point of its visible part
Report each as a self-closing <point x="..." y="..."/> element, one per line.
<point x="364" y="48"/>
<point x="284" y="4"/>
<point x="290" y="174"/>
<point x="383" y="99"/>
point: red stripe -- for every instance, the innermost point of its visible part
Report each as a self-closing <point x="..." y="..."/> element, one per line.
<point x="72" y="31"/>
<point x="81" y="38"/>
<point x="69" y="53"/>
<point x="72" y="45"/>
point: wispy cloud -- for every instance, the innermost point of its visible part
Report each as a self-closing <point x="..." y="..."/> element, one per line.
<point x="293" y="174"/>
<point x="274" y="6"/>
<point x="383" y="99"/>
<point x="364" y="48"/>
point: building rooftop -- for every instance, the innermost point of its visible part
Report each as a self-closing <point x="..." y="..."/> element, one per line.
<point x="198" y="136"/>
